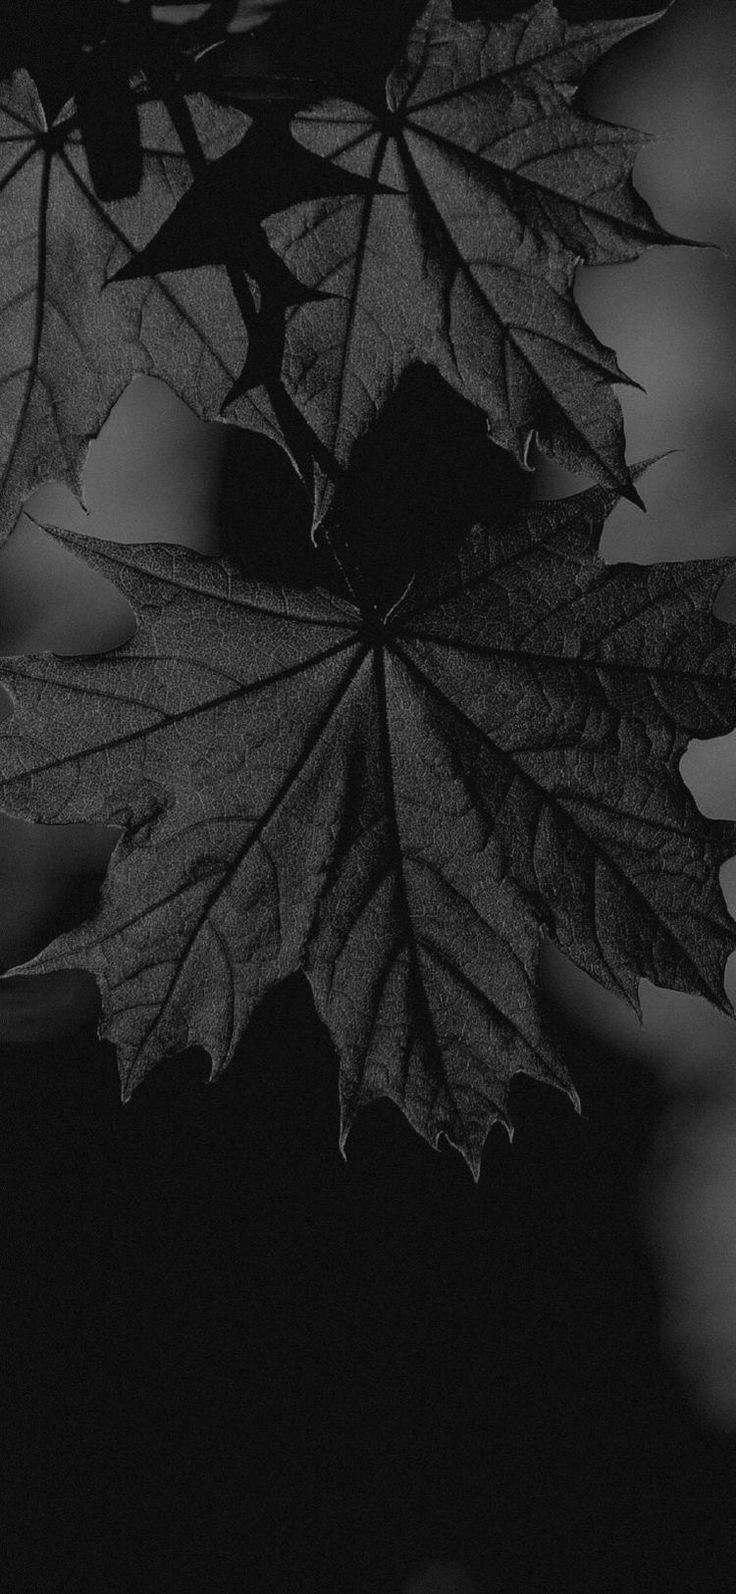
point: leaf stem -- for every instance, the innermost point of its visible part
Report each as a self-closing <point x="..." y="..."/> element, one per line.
<point x="301" y="442"/>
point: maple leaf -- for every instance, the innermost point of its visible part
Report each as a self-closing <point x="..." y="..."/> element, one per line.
<point x="397" y="803"/>
<point x="504" y="187"/>
<point x="69" y="349"/>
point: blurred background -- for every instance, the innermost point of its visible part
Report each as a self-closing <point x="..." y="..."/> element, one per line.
<point x="629" y="1234"/>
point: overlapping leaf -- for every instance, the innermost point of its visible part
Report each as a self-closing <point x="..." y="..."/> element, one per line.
<point x="68" y="345"/>
<point x="502" y="186"/>
<point x="220" y="221"/>
<point x="397" y="805"/>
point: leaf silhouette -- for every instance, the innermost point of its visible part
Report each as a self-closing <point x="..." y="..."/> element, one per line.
<point x="68" y="348"/>
<point x="219" y="221"/>
<point x="504" y="187"/>
<point x="397" y="803"/>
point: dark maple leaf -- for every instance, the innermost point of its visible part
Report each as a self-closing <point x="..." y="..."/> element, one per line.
<point x="504" y="187"/>
<point x="68" y="349"/>
<point x="219" y="219"/>
<point x="398" y="804"/>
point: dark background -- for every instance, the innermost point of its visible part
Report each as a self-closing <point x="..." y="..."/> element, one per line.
<point x="233" y="1361"/>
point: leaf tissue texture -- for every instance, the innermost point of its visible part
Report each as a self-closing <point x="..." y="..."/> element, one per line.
<point x="69" y="345"/>
<point x="502" y="186"/>
<point x="399" y="806"/>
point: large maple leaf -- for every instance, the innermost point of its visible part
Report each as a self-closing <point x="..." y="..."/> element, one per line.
<point x="397" y="804"/>
<point x="68" y="349"/>
<point x="501" y="187"/>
